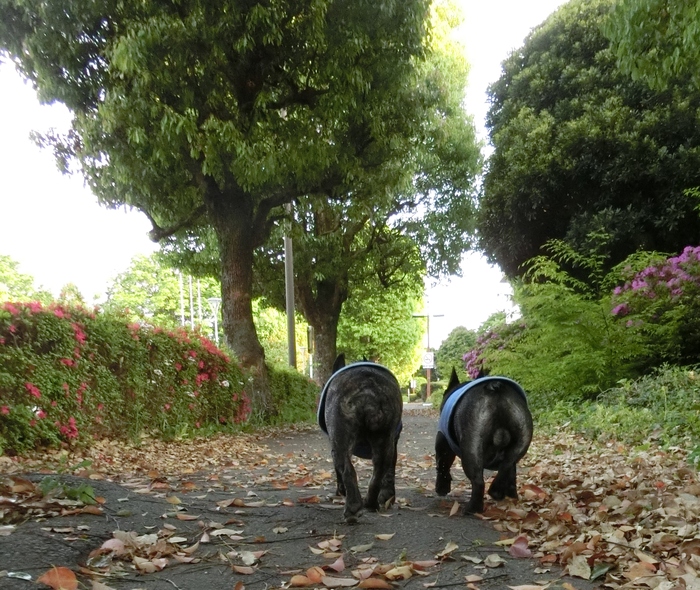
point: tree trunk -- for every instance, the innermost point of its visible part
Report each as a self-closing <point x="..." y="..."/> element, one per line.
<point x="325" y="334"/>
<point x="233" y="218"/>
<point x="322" y="310"/>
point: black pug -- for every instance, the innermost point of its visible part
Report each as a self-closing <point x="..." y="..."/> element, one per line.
<point x="486" y="422"/>
<point x="360" y="411"/>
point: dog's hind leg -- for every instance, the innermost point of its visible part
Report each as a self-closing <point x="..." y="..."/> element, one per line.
<point x="382" y="459"/>
<point x="340" y="487"/>
<point x="504" y="484"/>
<point x="444" y="458"/>
<point x="474" y="470"/>
<point x="353" y="498"/>
<point x="387" y="491"/>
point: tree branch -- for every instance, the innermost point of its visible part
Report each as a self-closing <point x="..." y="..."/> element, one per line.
<point x="158" y="232"/>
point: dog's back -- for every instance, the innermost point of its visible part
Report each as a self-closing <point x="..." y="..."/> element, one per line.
<point x="493" y="415"/>
<point x="365" y="400"/>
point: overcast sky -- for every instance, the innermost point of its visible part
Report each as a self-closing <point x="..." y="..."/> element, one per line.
<point x="52" y="225"/>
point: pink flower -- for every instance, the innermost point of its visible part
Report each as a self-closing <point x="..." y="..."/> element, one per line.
<point x="100" y="407"/>
<point x="69" y="430"/>
<point x="58" y="312"/>
<point x="79" y="334"/>
<point x="178" y="367"/>
<point x="11" y="308"/>
<point x="197" y="425"/>
<point x="67" y="362"/>
<point x="166" y="407"/>
<point x="40" y="414"/>
<point x="33" y="390"/>
<point x="35" y="306"/>
<point x="5" y="410"/>
<point x="54" y="404"/>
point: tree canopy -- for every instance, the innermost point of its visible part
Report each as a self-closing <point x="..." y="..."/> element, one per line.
<point x="580" y="149"/>
<point x="218" y="114"/>
<point x="657" y="41"/>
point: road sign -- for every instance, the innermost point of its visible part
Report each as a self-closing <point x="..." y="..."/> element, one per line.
<point x="429" y="360"/>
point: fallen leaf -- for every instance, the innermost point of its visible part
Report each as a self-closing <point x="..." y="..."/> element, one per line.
<point x="471" y="578"/>
<point x="449" y="548"/>
<point x="455" y="508"/>
<point x="181" y="516"/>
<point x="376" y="583"/>
<point x="338" y="565"/>
<point x="384" y="537"/>
<point x="59" y="578"/>
<point x="403" y="572"/>
<point x="579" y="568"/>
<point x="300" y="581"/>
<point x="494" y="560"/>
<point x="243" y="569"/>
<point x="361" y="548"/>
<point x="330" y="582"/>
<point x="280" y="529"/>
<point x="519" y="548"/>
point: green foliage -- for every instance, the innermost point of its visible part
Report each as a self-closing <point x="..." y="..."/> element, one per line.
<point x="567" y="345"/>
<point x="377" y="324"/>
<point x="68" y="375"/>
<point x="17" y="286"/>
<point x="657" y="41"/>
<point x="294" y="395"/>
<point x="149" y="292"/>
<point x="580" y="149"/>
<point x="452" y="350"/>
<point x="663" y="407"/>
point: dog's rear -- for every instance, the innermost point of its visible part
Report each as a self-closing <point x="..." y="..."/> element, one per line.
<point x="489" y="427"/>
<point x="362" y="416"/>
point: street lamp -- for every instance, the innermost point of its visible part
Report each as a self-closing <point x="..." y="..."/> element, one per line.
<point x="214" y="303"/>
<point x="428" y="360"/>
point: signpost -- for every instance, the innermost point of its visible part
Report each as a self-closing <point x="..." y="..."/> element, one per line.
<point x="428" y="355"/>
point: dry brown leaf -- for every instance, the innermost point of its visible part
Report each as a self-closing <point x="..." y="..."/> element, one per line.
<point x="403" y="572"/>
<point x="449" y="548"/>
<point x="181" y="516"/>
<point x="338" y="565"/>
<point x="455" y="508"/>
<point x="375" y="583"/>
<point x="579" y="568"/>
<point x="384" y="536"/>
<point x="519" y="548"/>
<point x="299" y="581"/>
<point x="330" y="582"/>
<point x="59" y="578"/>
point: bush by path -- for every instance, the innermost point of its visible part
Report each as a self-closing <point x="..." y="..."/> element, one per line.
<point x="70" y="375"/>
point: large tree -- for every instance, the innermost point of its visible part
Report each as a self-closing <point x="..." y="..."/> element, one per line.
<point x="408" y="209"/>
<point x="218" y="113"/>
<point x="581" y="150"/>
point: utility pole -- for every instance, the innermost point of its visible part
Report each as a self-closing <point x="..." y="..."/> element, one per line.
<point x="428" y="357"/>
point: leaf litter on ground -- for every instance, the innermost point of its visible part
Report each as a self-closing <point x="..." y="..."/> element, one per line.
<point x="627" y="518"/>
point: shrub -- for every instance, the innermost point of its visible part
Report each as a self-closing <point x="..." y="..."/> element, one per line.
<point x="68" y="375"/>
<point x="663" y="407"/>
<point x="293" y="394"/>
<point x="661" y="305"/>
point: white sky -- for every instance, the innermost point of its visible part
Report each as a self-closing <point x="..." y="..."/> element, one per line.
<point x="52" y="225"/>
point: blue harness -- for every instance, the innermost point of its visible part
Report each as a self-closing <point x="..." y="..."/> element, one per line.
<point x="447" y="413"/>
<point x="362" y="448"/>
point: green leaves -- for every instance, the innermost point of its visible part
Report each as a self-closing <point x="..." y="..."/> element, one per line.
<point x="581" y="149"/>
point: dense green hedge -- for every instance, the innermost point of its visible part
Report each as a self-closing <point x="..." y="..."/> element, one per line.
<point x="68" y="375"/>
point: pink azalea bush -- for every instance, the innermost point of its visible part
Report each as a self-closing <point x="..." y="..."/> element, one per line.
<point x="68" y="375"/>
<point x="661" y="303"/>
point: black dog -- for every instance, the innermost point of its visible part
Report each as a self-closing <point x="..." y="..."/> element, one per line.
<point x="487" y="423"/>
<point x="360" y="411"/>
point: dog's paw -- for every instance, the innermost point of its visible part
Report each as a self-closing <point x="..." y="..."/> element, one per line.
<point x="386" y="499"/>
<point x="474" y="506"/>
<point x="443" y="485"/>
